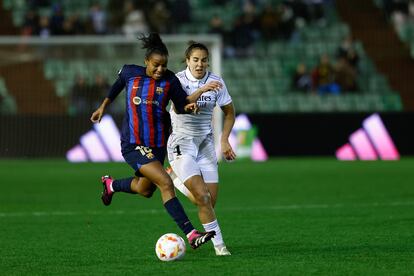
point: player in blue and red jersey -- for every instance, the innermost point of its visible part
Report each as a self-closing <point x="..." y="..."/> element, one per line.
<point x="143" y="139"/>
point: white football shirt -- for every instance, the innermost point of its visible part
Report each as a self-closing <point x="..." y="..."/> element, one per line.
<point x="199" y="124"/>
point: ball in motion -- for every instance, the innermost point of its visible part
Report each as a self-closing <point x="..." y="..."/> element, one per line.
<point x="170" y="247"/>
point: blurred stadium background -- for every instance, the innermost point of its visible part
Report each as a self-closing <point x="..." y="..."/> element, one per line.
<point x="302" y="212"/>
<point x="58" y="59"/>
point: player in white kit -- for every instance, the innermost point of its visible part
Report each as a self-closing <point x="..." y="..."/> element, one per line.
<point x="191" y="150"/>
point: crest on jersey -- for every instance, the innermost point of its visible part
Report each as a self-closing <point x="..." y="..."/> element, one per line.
<point x="136" y="100"/>
<point x="159" y="90"/>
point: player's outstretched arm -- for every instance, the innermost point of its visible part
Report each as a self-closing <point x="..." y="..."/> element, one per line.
<point x="97" y="115"/>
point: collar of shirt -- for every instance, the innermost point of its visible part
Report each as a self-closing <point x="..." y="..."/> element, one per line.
<point x="192" y="79"/>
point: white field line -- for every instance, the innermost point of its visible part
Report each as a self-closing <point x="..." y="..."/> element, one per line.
<point x="225" y="209"/>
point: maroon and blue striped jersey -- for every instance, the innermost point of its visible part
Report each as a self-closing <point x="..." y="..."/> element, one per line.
<point x="146" y="101"/>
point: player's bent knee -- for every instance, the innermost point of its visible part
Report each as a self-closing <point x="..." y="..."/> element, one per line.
<point x="163" y="181"/>
<point x="148" y="193"/>
<point x="165" y="184"/>
<point x="203" y="199"/>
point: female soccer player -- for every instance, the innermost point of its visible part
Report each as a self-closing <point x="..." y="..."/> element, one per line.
<point x="191" y="150"/>
<point x="143" y="140"/>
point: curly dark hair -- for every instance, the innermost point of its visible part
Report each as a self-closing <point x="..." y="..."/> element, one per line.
<point x="154" y="45"/>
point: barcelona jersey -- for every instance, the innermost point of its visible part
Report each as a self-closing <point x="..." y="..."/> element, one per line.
<point x="146" y="100"/>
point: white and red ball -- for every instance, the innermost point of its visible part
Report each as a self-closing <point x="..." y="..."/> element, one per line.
<point x="170" y="247"/>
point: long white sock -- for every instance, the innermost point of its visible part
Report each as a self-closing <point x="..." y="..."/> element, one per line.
<point x="214" y="226"/>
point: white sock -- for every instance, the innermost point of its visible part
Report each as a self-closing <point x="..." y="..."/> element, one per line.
<point x="214" y="226"/>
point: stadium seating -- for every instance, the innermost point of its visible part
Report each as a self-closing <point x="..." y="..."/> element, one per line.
<point x="275" y="74"/>
<point x="258" y="83"/>
<point x="19" y="8"/>
<point x="264" y="77"/>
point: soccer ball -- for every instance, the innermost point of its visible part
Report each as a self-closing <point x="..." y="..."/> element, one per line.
<point x="170" y="247"/>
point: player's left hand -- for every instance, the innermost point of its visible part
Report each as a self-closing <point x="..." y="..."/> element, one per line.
<point x="191" y="108"/>
<point x="97" y="115"/>
<point x="227" y="151"/>
<point x="214" y="86"/>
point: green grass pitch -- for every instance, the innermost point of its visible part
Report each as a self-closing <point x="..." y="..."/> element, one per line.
<point x="282" y="217"/>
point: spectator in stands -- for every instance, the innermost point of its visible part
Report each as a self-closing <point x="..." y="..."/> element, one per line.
<point x="345" y="75"/>
<point x="302" y="80"/>
<point x="216" y="26"/>
<point x="243" y="35"/>
<point x="98" y="19"/>
<point x="98" y="90"/>
<point x="159" y="18"/>
<point x="323" y="77"/>
<point x="181" y="11"/>
<point x="115" y="16"/>
<point x="286" y="24"/>
<point x="390" y="7"/>
<point x="44" y="28"/>
<point x="79" y="96"/>
<point x="353" y="58"/>
<point x="67" y="28"/>
<point x="269" y="20"/>
<point x="249" y="6"/>
<point x="73" y="25"/>
<point x="402" y="18"/>
<point x="300" y="10"/>
<point x="316" y="11"/>
<point x="56" y="20"/>
<point x="135" y="21"/>
<point x="347" y="50"/>
<point x="30" y="23"/>
<point x="78" y="25"/>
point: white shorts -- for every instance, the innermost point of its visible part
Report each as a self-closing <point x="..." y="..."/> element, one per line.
<point x="191" y="156"/>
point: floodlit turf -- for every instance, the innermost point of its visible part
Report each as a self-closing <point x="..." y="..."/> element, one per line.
<point x="282" y="217"/>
